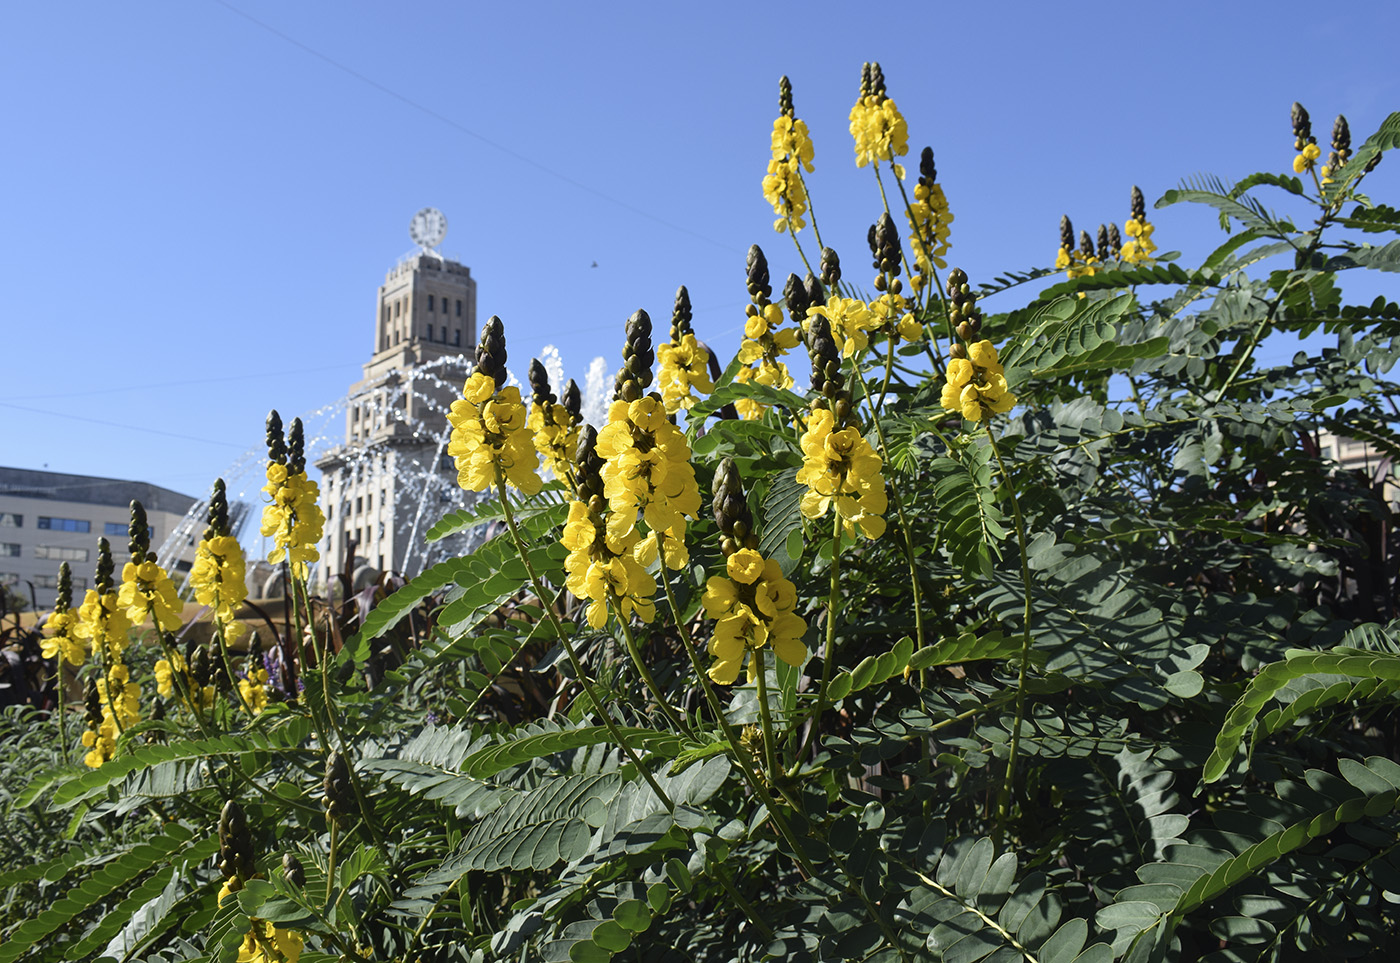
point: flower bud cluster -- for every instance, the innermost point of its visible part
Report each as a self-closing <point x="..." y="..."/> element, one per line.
<point x="491" y="440"/>
<point x="792" y="152"/>
<point x="752" y="607"/>
<point x="877" y="126"/>
<point x="1139" y="249"/>
<point x="601" y="565"/>
<point x="147" y="591"/>
<point x="684" y="361"/>
<point x="765" y="339"/>
<point x="930" y="222"/>
<point x="1341" y="149"/>
<point x="1303" y="141"/>
<point x="1075" y="263"/>
<point x="61" y="642"/>
<point x="647" y="475"/>
<point x="293" y="518"/>
<point x="976" y="383"/>
<point x="554" y="425"/>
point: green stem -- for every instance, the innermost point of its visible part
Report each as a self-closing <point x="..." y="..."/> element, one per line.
<point x="829" y="650"/>
<point x="811" y="209"/>
<point x="1004" y="793"/>
<point x="569" y="649"/>
<point x="60" y="693"/>
<point x="651" y="684"/>
<point x="764" y="714"/>
<point x="330" y="866"/>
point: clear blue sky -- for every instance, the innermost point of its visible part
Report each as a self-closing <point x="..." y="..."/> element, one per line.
<point x="201" y="198"/>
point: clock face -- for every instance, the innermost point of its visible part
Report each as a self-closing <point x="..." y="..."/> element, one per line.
<point x="428" y="227"/>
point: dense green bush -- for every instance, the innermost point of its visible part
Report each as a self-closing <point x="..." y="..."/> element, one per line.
<point x="1115" y="679"/>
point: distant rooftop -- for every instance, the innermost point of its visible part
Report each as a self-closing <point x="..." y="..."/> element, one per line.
<point x="59" y="486"/>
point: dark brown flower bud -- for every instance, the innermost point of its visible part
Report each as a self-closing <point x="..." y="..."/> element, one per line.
<point x="588" y="470"/>
<point x="877" y="82"/>
<point x="103" y="580"/>
<point x="1139" y="204"/>
<point x="637" y="358"/>
<point x="1115" y="240"/>
<point x="539" y="384"/>
<point x="681" y="314"/>
<point x="958" y="350"/>
<point x="865" y="89"/>
<point x="1104" y="252"/>
<point x="1086" y="244"/>
<point x="276" y="445"/>
<point x="785" y="97"/>
<point x="139" y="532"/>
<point x="795" y="295"/>
<point x="816" y="296"/>
<point x="235" y="843"/>
<point x="928" y="173"/>
<point x="491" y="351"/>
<point x="1066" y="233"/>
<point x="92" y="703"/>
<point x="65" y="588"/>
<point x="296" y="447"/>
<point x="218" y="511"/>
<point x="730" y="506"/>
<point x="293" y="871"/>
<point x="339" y="793"/>
<point x="1341" y="141"/>
<point x="830" y="268"/>
<point x="884" y="244"/>
<point x="573" y="400"/>
<point x="759" y="288"/>
<point x="1302" y="127"/>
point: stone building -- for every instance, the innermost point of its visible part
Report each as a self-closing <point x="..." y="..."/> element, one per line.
<point x="49" y="517"/>
<point x="391" y="479"/>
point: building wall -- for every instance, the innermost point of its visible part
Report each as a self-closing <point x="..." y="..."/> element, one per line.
<point x="388" y="483"/>
<point x="47" y="518"/>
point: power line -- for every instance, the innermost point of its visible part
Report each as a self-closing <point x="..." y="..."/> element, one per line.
<point x="197" y="381"/>
<point x="441" y="118"/>
<point x="115" y="424"/>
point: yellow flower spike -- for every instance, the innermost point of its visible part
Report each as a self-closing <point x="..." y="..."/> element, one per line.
<point x="975" y="386"/>
<point x="751" y="609"/>
<point x="791" y="152"/>
<point x="878" y="128"/>
<point x="1138" y="250"/>
<point x="491" y="439"/>
<point x="293" y="517"/>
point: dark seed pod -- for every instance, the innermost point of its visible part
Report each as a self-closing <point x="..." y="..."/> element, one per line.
<point x="785" y="97"/>
<point x="491" y="351"/>
<point x="276" y="445"/>
<point x="826" y="358"/>
<point x="1115" y="240"/>
<point x="757" y="268"/>
<point x="1104" y="252"/>
<point x="65" y="588"/>
<point x="865" y="88"/>
<point x="1341" y="143"/>
<point x="877" y="82"/>
<point x="1086" y="244"/>
<point x="1066" y="234"/>
<point x="1139" y="204"/>
<point x="92" y="703"/>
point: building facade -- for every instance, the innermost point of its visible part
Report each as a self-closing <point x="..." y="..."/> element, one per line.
<point x="391" y="479"/>
<point x="47" y="518"/>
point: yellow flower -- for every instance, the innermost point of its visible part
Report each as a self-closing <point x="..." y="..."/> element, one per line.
<point x="976" y="385"/>
<point x="880" y="132"/>
<point x="555" y="432"/>
<point x="683" y="367"/>
<point x="851" y="320"/>
<point x="751" y="609"/>
<point x="268" y="943"/>
<point x="601" y="567"/>
<point x="103" y="622"/>
<point x="253" y="686"/>
<point x="490" y="439"/>
<point x="62" y="642"/>
<point x="1139" y="249"/>
<point x="148" y="593"/>
<point x="218" y="576"/>
<point x="293" y="519"/>
<point x="792" y="142"/>
<point x="931" y="224"/>
<point x="840" y="469"/>
<point x="1306" y="160"/>
<point x="646" y="469"/>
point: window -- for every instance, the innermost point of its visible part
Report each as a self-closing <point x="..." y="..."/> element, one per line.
<point x="119" y="529"/>
<point x="9" y="578"/>
<point x="9" y="549"/>
<point x="67" y="524"/>
<point x="444" y="334"/>
<point x="369" y="501"/>
<point x="396" y="337"/>
<point x="459" y="307"/>
<point x="430" y="302"/>
<point x="381" y="529"/>
<point x="355" y="413"/>
<point x="397" y="305"/>
<point x="430" y="332"/>
<point x="457" y="338"/>
<point x="330" y="512"/>
<point x="381" y="498"/>
<point x="11" y="520"/>
<point x="60" y="554"/>
<point x="359" y="504"/>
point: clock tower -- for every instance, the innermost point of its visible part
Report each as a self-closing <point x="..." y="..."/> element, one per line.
<point x="391" y="479"/>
